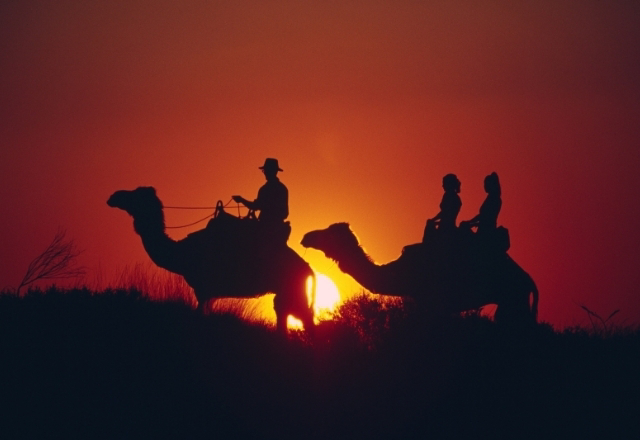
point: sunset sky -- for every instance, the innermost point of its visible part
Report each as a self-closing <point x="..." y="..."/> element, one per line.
<point x="366" y="104"/>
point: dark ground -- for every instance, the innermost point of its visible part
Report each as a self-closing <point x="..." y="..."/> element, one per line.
<point x="115" y="365"/>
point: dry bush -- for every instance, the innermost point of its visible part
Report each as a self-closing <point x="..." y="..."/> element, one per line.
<point x="57" y="261"/>
<point x="158" y="284"/>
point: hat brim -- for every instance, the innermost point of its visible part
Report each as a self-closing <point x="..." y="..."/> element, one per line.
<point x="272" y="168"/>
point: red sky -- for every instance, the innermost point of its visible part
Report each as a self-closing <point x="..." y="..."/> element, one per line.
<point x="367" y="104"/>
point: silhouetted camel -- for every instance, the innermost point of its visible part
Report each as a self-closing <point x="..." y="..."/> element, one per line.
<point x="443" y="282"/>
<point x="222" y="260"/>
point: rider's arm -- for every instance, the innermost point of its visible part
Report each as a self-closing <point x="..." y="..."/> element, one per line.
<point x="248" y="203"/>
<point x="474" y="221"/>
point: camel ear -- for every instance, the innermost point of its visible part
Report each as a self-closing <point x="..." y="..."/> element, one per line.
<point x="148" y="189"/>
<point x="342" y="227"/>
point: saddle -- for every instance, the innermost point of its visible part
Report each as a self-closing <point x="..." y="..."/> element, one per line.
<point x="494" y="240"/>
<point x="460" y="243"/>
<point x="247" y="230"/>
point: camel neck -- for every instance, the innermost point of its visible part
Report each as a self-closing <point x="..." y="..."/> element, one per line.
<point x="149" y="223"/>
<point x="162" y="249"/>
<point x="361" y="268"/>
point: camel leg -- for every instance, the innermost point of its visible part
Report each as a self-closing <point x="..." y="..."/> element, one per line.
<point x="300" y="308"/>
<point x="507" y="312"/>
<point x="281" y="315"/>
<point x="281" y="324"/>
<point x="499" y="314"/>
<point x="201" y="307"/>
<point x="514" y="313"/>
<point x="306" y="316"/>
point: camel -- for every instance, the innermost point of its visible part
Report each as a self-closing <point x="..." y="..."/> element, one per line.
<point x="445" y="280"/>
<point x="228" y="258"/>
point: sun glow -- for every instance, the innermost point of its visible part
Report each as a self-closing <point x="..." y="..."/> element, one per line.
<point x="327" y="299"/>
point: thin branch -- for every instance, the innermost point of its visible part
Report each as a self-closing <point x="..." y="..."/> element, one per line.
<point x="57" y="261"/>
<point x="589" y="315"/>
<point x="612" y="314"/>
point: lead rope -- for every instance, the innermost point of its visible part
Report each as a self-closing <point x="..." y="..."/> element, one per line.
<point x="217" y="209"/>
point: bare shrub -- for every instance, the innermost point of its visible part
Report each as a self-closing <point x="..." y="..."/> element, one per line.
<point x="57" y="261"/>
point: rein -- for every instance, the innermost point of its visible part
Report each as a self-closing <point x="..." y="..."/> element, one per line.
<point x="217" y="209"/>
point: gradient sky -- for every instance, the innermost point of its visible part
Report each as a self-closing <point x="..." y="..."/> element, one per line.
<point x="367" y="104"/>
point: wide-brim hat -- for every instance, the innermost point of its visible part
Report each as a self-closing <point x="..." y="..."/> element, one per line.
<point x="270" y="164"/>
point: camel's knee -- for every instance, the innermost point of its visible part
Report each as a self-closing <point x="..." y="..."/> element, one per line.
<point x="307" y="319"/>
<point x="310" y="330"/>
<point x="504" y="314"/>
<point x="281" y="324"/>
<point x="281" y="315"/>
<point x="514" y="315"/>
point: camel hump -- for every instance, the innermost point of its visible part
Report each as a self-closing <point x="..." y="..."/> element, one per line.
<point x="413" y="250"/>
<point x="502" y="240"/>
<point x="495" y="240"/>
<point x="283" y="231"/>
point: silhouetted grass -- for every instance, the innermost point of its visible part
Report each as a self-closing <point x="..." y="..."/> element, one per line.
<point x="146" y="278"/>
<point x="114" y="364"/>
<point x="160" y="285"/>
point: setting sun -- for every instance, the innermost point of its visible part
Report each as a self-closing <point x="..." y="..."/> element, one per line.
<point x="327" y="299"/>
<point x="327" y="294"/>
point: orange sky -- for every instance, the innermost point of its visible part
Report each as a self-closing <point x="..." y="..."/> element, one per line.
<point x="367" y="104"/>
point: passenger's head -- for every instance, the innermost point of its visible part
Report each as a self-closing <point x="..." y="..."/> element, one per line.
<point x="492" y="184"/>
<point x="451" y="183"/>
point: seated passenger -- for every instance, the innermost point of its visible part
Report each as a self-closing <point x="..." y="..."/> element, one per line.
<point x="487" y="219"/>
<point x="445" y="220"/>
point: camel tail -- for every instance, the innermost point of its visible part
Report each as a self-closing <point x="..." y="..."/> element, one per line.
<point x="313" y="291"/>
<point x="534" y="304"/>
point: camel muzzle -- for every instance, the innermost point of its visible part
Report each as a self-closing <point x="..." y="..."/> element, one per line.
<point x="116" y="199"/>
<point x="307" y="240"/>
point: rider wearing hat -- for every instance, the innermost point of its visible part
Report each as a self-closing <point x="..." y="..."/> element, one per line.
<point x="273" y="196"/>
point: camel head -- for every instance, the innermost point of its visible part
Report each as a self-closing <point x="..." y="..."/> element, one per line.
<point x="333" y="241"/>
<point x="143" y="205"/>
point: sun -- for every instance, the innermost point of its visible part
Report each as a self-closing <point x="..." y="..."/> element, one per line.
<point x="327" y="294"/>
<point x="327" y="299"/>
